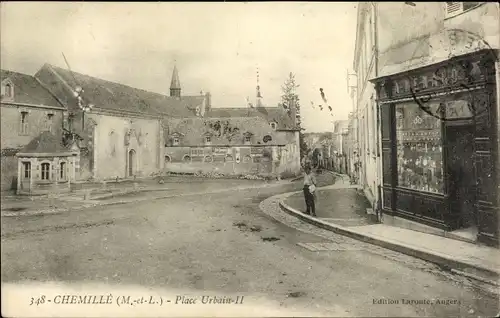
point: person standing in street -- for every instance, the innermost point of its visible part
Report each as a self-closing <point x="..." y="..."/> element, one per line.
<point x="309" y="190"/>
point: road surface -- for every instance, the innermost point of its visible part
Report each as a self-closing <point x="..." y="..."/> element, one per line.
<point x="222" y="244"/>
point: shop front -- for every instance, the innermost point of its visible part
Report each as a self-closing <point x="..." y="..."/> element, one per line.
<point x="439" y="133"/>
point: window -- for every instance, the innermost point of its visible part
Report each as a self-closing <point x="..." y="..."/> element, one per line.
<point x="8" y="90"/>
<point x="455" y="8"/>
<point x="208" y="139"/>
<point x="366" y="120"/>
<point x="186" y="158"/>
<point x="176" y="141"/>
<point x="45" y="171"/>
<point x="50" y="121"/>
<point x="248" y="139"/>
<point x="273" y="125"/>
<point x="197" y="152"/>
<point x="62" y="170"/>
<point x="24" y="123"/>
<point x="419" y="151"/>
<point x="27" y="170"/>
<point x="168" y="159"/>
<point x="373" y="129"/>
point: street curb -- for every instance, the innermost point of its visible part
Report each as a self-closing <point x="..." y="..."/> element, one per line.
<point x="465" y="268"/>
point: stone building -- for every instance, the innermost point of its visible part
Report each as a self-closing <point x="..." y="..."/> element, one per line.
<point x="45" y="166"/>
<point x="364" y="98"/>
<point x="131" y="132"/>
<point x="122" y="135"/>
<point x="27" y="110"/>
<point x="435" y="74"/>
<point x="234" y="141"/>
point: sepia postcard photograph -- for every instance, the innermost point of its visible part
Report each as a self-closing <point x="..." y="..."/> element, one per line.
<point x="250" y="159"/>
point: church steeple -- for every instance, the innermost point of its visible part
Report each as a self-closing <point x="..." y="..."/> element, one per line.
<point x="175" y="85"/>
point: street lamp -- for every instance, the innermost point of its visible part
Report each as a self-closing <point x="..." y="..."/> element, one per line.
<point x="82" y="104"/>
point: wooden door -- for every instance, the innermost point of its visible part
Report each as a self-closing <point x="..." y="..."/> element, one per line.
<point x="461" y="174"/>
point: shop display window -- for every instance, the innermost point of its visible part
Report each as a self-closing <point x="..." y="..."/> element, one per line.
<point x="419" y="149"/>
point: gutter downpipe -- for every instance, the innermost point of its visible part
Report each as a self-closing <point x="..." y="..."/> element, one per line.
<point x="378" y="209"/>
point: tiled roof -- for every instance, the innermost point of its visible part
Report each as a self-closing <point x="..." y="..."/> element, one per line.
<point x="46" y="142"/>
<point x="269" y="114"/>
<point x="193" y="131"/>
<point x="28" y="90"/>
<point x="113" y="96"/>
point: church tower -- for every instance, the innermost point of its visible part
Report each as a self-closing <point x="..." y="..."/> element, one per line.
<point x="175" y="85"/>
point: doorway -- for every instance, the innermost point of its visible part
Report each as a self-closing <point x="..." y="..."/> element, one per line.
<point x="131" y="163"/>
<point x="461" y="174"/>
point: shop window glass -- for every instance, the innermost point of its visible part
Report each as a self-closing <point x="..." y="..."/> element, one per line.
<point x="419" y="148"/>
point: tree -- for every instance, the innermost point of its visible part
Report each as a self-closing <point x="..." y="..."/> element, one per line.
<point x="289" y="99"/>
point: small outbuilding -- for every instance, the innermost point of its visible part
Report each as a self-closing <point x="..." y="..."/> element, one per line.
<point x="45" y="166"/>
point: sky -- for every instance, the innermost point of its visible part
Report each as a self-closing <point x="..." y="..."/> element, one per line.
<point x="217" y="47"/>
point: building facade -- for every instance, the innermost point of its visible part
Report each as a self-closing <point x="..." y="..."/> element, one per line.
<point x="261" y="141"/>
<point x="365" y="115"/>
<point x="437" y="96"/>
<point x="130" y="132"/>
<point x="27" y="110"/>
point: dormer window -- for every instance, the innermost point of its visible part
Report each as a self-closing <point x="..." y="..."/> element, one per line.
<point x="7" y="89"/>
<point x="248" y="139"/>
<point x="207" y="138"/>
<point x="274" y="125"/>
<point x="176" y="138"/>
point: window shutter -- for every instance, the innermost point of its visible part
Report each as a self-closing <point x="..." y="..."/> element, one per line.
<point x="453" y="8"/>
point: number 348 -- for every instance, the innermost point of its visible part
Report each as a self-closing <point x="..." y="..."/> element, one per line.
<point x="38" y="300"/>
